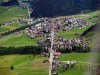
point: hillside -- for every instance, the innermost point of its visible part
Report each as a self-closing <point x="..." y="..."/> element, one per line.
<point x="52" y="8"/>
<point x="62" y="7"/>
<point x="11" y="13"/>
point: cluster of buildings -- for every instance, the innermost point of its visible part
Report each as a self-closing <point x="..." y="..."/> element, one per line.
<point x="59" y="24"/>
<point x="65" y="45"/>
<point x="74" y="22"/>
<point x="42" y="28"/>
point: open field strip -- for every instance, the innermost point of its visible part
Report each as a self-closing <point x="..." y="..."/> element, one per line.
<point x="33" y="65"/>
<point x="10" y="27"/>
<point x="14" y="12"/>
<point x="18" y="40"/>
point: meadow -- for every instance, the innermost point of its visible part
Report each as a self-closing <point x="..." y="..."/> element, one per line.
<point x="18" y="40"/>
<point x="10" y="27"/>
<point x="14" y="12"/>
<point x="71" y="33"/>
<point x="33" y="65"/>
<point x="23" y="65"/>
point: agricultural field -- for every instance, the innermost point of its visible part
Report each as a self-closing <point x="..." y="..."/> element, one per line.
<point x="23" y="65"/>
<point x="2" y="8"/>
<point x="18" y="40"/>
<point x="12" y="13"/>
<point x="81" y="59"/>
<point x="71" y="33"/>
<point x="10" y="27"/>
<point x="33" y="65"/>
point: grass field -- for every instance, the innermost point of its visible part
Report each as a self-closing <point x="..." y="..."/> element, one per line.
<point x="33" y="65"/>
<point x="10" y="27"/>
<point x="71" y="33"/>
<point x="14" y="12"/>
<point x="81" y="59"/>
<point x="23" y="64"/>
<point x="2" y="8"/>
<point x="18" y="40"/>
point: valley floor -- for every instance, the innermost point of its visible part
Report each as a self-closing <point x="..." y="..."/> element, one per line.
<point x="33" y="65"/>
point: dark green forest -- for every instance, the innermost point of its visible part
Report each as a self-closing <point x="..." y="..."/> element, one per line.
<point x="53" y="8"/>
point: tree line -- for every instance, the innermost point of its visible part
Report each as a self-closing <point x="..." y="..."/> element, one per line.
<point x="20" y="50"/>
<point x="36" y="50"/>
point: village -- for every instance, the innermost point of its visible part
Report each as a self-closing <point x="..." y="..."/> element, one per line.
<point x="59" y="45"/>
<point x="48" y="28"/>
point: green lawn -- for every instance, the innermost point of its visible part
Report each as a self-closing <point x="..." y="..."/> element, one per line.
<point x="12" y="13"/>
<point x="71" y="33"/>
<point x="17" y="40"/>
<point x="10" y="27"/>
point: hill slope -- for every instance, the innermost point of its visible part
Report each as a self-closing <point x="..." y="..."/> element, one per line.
<point x="13" y="12"/>
<point x="61" y="7"/>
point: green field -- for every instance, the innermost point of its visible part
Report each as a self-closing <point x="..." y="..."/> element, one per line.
<point x="71" y="33"/>
<point x="23" y="65"/>
<point x="18" y="40"/>
<point x="12" y="13"/>
<point x="10" y="27"/>
<point x="2" y="8"/>
<point x="33" y="65"/>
